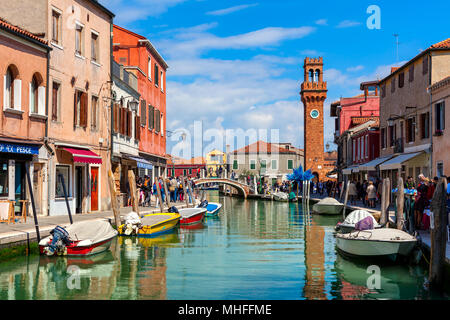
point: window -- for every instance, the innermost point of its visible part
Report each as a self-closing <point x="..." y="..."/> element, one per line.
<point x="12" y="89"/>
<point x="274" y="165"/>
<point x="79" y="39"/>
<point x="156" y="75"/>
<point x="354" y="150"/>
<point x="162" y="125"/>
<point x="440" y="117"/>
<point x="425" y="125"/>
<point x="34" y="85"/>
<point x="411" y="129"/>
<point x="383" y="138"/>
<point x="235" y="165"/>
<point x="401" y="80"/>
<point x="137" y="128"/>
<point x="64" y="172"/>
<point x="56" y="27"/>
<point x="393" y="85"/>
<point x="367" y="146"/>
<point x="411" y="73"/>
<point x="143" y="113"/>
<point x="190" y="171"/>
<point x="184" y="172"/>
<point x="383" y="90"/>
<point x="4" y="178"/>
<point x="149" y="66"/>
<point x="151" y="117"/>
<point x="80" y="109"/>
<point x="425" y="65"/>
<point x="290" y="164"/>
<point x="162" y="81"/>
<point x="263" y="166"/>
<point x="94" y="115"/>
<point x="55" y="100"/>
<point x="94" y="47"/>
<point x="440" y="169"/>
<point x="392" y="133"/>
<point x="252" y="164"/>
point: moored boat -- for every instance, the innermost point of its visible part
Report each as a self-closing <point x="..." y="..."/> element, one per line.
<point x="383" y="242"/>
<point x="281" y="196"/>
<point x="151" y="225"/>
<point x="191" y="215"/>
<point x="328" y="206"/>
<point x="353" y="218"/>
<point x="79" y="239"/>
<point x="212" y="209"/>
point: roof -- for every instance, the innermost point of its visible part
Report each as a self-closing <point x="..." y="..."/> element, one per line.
<point x="363" y="119"/>
<point x="149" y="45"/>
<point x="181" y="161"/>
<point x="440" y="84"/>
<point x="99" y="5"/>
<point x="442" y="45"/>
<point x="22" y="32"/>
<point x="263" y="147"/>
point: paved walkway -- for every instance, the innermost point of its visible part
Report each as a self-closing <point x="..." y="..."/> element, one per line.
<point x="22" y="232"/>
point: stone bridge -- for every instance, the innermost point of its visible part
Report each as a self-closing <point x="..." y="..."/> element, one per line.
<point x="242" y="188"/>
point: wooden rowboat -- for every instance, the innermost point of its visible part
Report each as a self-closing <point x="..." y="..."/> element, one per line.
<point x="192" y="215"/>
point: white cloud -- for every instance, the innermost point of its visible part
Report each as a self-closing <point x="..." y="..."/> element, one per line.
<point x="229" y="10"/>
<point x="196" y="43"/>
<point x="322" y="22"/>
<point x="355" y="68"/>
<point x="348" y="24"/>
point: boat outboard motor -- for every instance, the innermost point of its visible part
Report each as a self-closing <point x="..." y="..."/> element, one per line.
<point x="173" y="209"/>
<point x="203" y="204"/>
<point x="59" y="241"/>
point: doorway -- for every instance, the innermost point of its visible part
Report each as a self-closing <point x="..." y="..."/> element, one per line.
<point x="94" y="188"/>
<point x="19" y="186"/>
<point x="37" y="187"/>
<point x="78" y="189"/>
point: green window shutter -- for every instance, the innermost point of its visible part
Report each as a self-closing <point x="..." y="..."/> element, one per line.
<point x="252" y="165"/>
<point x="235" y="164"/>
<point x="274" y="164"/>
<point x="290" y="164"/>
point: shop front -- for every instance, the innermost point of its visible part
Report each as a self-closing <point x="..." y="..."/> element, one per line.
<point x="76" y="179"/>
<point x="15" y="161"/>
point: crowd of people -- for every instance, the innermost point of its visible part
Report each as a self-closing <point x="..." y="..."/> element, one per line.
<point x="176" y="192"/>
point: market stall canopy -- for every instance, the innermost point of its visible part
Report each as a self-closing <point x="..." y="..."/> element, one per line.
<point x="84" y="155"/>
<point x="396" y="163"/>
<point x="351" y="169"/>
<point x="371" y="165"/>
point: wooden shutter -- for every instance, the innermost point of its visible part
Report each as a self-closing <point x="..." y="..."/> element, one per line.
<point x="130" y="123"/>
<point x="83" y="110"/>
<point x="151" y="116"/>
<point x="137" y="130"/>
<point x="75" y="103"/>
<point x="55" y="102"/>
<point x="143" y="116"/>
<point x="157" y="121"/>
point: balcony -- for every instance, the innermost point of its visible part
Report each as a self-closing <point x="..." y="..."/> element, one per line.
<point x="399" y="146"/>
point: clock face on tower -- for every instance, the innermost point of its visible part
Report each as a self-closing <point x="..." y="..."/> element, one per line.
<point x="314" y="113"/>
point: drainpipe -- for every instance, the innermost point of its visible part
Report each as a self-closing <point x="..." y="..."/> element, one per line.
<point x="111" y="80"/>
<point x="431" y="117"/>
<point x="49" y="149"/>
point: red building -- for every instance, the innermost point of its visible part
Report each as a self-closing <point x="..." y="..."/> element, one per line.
<point x="177" y="167"/>
<point x="366" y="142"/>
<point x="140" y="57"/>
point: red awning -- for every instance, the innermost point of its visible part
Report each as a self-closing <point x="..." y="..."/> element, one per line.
<point x="84" y="155"/>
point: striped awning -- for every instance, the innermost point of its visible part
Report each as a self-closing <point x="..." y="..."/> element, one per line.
<point x="84" y="155"/>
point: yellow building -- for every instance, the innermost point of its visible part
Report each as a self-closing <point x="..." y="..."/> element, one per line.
<point x="214" y="160"/>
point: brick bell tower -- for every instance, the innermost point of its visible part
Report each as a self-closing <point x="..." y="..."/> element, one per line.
<point x="313" y="94"/>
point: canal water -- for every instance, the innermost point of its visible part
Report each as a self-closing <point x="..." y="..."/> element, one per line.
<point x="253" y="250"/>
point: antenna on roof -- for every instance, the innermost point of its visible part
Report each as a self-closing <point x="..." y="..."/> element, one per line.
<point x="397" y="43"/>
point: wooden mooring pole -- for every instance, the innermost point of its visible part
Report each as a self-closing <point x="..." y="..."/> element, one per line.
<point x="114" y="203"/>
<point x="166" y="192"/>
<point x="438" y="235"/>
<point x="345" y="199"/>
<point x="158" y="192"/>
<point x="186" y="196"/>
<point x="30" y="189"/>
<point x="400" y="203"/>
<point x="133" y="191"/>
<point x="385" y="202"/>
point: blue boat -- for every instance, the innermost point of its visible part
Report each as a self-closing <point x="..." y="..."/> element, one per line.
<point x="212" y="209"/>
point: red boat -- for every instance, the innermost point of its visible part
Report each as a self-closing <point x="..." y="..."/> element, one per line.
<point x="85" y="238"/>
<point x="192" y="215"/>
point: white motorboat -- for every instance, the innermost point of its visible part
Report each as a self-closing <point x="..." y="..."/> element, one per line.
<point x="281" y="196"/>
<point x="353" y="218"/>
<point x="382" y="242"/>
<point x="328" y="206"/>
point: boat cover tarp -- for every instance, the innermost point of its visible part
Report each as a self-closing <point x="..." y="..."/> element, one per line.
<point x="95" y="231"/>
<point x="364" y="224"/>
<point x="357" y="215"/>
<point x="329" y="200"/>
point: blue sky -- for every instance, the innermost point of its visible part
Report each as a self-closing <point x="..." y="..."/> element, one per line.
<point x="238" y="64"/>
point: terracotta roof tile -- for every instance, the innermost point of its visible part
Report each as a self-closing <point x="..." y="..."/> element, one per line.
<point x="5" y="24"/>
<point x="445" y="44"/>
<point x="364" y="119"/>
<point x="262" y="147"/>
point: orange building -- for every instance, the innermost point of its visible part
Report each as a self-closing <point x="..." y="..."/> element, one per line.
<point x="139" y="56"/>
<point x="23" y="86"/>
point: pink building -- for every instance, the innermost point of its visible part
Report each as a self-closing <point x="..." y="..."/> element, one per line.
<point x="23" y="64"/>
